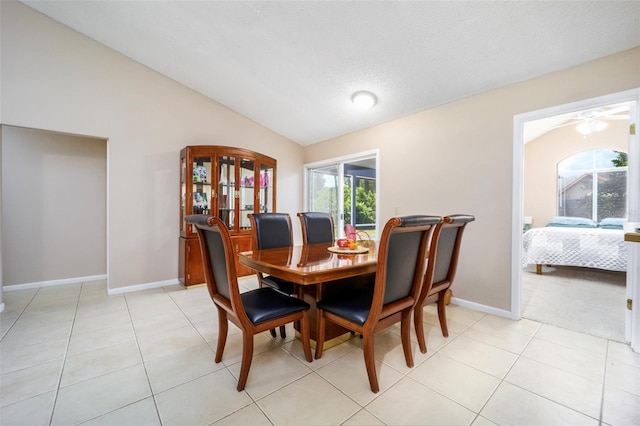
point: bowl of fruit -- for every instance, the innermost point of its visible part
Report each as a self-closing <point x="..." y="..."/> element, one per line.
<point x="347" y="245"/>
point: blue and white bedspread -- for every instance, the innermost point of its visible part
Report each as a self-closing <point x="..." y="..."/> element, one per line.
<point x="586" y="247"/>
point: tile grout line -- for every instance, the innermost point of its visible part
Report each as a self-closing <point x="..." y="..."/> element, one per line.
<point x="66" y="354"/>
<point x="604" y="380"/>
<point x="19" y="316"/>
<point x="477" y="414"/>
<point x="144" y="366"/>
<point x="542" y="396"/>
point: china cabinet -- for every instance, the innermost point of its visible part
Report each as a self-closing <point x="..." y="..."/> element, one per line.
<point x="226" y="182"/>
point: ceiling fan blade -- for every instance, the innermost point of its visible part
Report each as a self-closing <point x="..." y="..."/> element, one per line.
<point x="571" y="122"/>
<point x="615" y="117"/>
<point x="615" y="111"/>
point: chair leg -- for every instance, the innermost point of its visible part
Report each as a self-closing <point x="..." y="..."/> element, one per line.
<point x="273" y="332"/>
<point x="370" y="361"/>
<point x="247" y="355"/>
<point x="283" y="333"/>
<point x="417" y="321"/>
<point x="320" y="334"/>
<point x="405" y="333"/>
<point x="304" y="335"/>
<point x="223" y="327"/>
<point x="442" y="313"/>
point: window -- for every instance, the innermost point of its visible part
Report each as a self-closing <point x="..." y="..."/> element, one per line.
<point x="322" y="190"/>
<point x="361" y="200"/>
<point x="602" y="172"/>
<point x="346" y="188"/>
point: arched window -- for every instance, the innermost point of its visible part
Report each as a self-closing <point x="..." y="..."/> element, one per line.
<point x="600" y="171"/>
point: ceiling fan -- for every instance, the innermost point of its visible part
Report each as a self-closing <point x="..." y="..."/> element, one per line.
<point x="588" y="121"/>
<point x="595" y="120"/>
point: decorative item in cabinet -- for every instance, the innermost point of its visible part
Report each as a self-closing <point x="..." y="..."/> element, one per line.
<point x="229" y="183"/>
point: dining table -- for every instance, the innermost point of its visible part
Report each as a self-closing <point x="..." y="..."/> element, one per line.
<point x="318" y="270"/>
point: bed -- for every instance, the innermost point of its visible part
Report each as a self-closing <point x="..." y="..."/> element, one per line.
<point x="601" y="247"/>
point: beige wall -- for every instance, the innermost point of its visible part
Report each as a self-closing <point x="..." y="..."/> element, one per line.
<point x="541" y="158"/>
<point x="2" y="305"/>
<point x="55" y="79"/>
<point x="457" y="158"/>
<point x="54" y="206"/>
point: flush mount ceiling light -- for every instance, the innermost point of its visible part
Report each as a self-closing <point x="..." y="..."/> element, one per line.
<point x="364" y="99"/>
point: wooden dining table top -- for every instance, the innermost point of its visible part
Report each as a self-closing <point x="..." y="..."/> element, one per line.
<point x="310" y="264"/>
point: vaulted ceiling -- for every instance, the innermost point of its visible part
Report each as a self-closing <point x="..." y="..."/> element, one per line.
<point x="292" y="66"/>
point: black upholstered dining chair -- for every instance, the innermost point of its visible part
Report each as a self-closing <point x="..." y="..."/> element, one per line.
<point x="444" y="251"/>
<point x="273" y="230"/>
<point x="317" y="227"/>
<point x="399" y="273"/>
<point x="253" y="311"/>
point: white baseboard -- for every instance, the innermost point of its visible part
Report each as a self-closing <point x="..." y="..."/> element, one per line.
<point x="54" y="282"/>
<point x="156" y="284"/>
<point x="139" y="287"/>
<point x="127" y="289"/>
<point x="482" y="308"/>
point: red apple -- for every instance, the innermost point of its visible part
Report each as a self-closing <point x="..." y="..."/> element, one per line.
<point x="343" y="243"/>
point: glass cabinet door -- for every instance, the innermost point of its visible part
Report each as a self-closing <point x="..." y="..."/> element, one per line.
<point x="226" y="190"/>
<point x="201" y="181"/>
<point x="246" y="193"/>
<point x="265" y="195"/>
<point x="183" y="194"/>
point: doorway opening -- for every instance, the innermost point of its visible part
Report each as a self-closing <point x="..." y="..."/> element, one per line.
<point x="536" y="200"/>
<point x="54" y="209"/>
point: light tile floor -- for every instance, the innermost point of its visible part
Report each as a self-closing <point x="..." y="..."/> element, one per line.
<point x="73" y="355"/>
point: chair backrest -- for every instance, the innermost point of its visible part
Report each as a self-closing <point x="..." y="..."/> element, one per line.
<point x="445" y="250"/>
<point x="401" y="261"/>
<point x="219" y="262"/>
<point x="317" y="227"/>
<point x="271" y="230"/>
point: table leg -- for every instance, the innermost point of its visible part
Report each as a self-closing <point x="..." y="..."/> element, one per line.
<point x="334" y="334"/>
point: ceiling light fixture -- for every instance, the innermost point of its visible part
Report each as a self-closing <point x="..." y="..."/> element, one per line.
<point x="364" y="99"/>
<point x="591" y="125"/>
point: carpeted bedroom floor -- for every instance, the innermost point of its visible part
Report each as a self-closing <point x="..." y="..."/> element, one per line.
<point x="591" y="301"/>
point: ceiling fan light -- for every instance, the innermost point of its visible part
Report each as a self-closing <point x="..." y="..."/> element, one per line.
<point x="589" y="126"/>
<point x="600" y="125"/>
<point x="583" y="128"/>
<point x="364" y="99"/>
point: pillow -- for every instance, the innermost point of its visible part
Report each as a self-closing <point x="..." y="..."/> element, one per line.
<point x="572" y="222"/>
<point x="612" y="223"/>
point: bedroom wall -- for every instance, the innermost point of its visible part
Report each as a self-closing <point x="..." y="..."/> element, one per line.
<point x="541" y="158"/>
<point x="56" y="79"/>
<point x="458" y="158"/>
